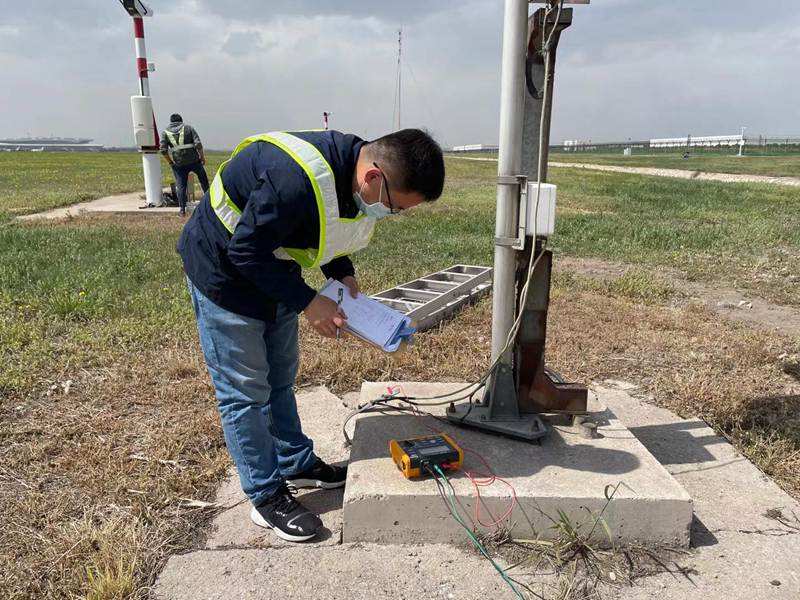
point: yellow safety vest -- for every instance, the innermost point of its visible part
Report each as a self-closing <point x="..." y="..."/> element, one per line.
<point x="178" y="144"/>
<point x="338" y="236"/>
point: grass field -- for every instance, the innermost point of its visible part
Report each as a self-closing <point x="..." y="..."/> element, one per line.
<point x="785" y="166"/>
<point x="33" y="182"/>
<point x="107" y="419"/>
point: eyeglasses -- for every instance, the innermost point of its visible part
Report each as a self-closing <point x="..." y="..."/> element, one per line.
<point x="388" y="197"/>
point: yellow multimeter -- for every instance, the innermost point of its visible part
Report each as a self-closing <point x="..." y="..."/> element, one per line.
<point x="416" y="456"/>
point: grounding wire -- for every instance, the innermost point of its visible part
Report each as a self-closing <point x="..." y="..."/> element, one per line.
<point x="449" y="502"/>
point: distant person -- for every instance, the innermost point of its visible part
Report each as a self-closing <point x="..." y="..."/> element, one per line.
<point x="182" y="148"/>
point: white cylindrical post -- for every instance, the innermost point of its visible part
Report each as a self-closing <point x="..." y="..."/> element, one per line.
<point x="512" y="103"/>
<point x="151" y="163"/>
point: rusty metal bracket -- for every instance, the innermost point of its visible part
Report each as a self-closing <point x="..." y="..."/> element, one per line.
<point x="538" y="390"/>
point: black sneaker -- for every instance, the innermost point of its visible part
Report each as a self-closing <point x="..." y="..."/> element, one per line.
<point x="289" y="519"/>
<point x="321" y="475"/>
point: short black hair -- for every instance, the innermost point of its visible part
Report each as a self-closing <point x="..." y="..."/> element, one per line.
<point x="175" y="118"/>
<point x="413" y="159"/>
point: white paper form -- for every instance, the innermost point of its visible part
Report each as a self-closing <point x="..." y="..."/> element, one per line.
<point x="367" y="318"/>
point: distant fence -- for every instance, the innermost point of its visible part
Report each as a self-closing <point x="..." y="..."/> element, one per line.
<point x="479" y="148"/>
<point x="727" y="145"/>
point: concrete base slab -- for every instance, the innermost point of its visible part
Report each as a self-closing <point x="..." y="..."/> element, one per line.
<point x="345" y="572"/>
<point x="738" y="551"/>
<point x="322" y="415"/>
<point x="567" y="472"/>
<point x="120" y="203"/>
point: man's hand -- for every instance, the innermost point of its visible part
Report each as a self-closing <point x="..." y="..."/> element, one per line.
<point x="325" y="316"/>
<point x="352" y="285"/>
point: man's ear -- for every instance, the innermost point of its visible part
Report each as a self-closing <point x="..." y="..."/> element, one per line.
<point x="372" y="174"/>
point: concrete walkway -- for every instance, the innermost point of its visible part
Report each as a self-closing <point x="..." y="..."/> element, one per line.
<point x="676" y="173"/>
<point x="746" y="541"/>
<point x="120" y="203"/>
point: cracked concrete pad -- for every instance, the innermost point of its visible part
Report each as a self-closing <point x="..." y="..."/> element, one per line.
<point x="742" y="550"/>
<point x="350" y="571"/>
<point x="567" y="472"/>
<point x="322" y="414"/>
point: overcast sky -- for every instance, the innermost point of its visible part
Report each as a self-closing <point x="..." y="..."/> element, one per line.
<point x="626" y="68"/>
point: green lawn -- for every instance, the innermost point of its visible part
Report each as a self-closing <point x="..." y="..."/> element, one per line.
<point x="782" y="165"/>
<point x="788" y="166"/>
<point x="101" y="303"/>
<point x="32" y="182"/>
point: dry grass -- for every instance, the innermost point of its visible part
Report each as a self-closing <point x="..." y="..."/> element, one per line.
<point x="691" y="362"/>
<point x="579" y="563"/>
<point x="94" y="473"/>
<point x="93" y="479"/>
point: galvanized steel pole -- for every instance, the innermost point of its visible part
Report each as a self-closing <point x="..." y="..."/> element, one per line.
<point x="512" y="103"/>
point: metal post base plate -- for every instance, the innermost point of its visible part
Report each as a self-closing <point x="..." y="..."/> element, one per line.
<point x="528" y="427"/>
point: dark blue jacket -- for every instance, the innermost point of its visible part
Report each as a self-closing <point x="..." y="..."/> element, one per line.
<point x="239" y="272"/>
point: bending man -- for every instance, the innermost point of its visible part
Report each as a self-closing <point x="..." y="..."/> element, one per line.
<point x="285" y="202"/>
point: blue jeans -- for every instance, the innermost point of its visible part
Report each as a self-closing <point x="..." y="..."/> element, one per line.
<point x="253" y="365"/>
<point x="182" y="176"/>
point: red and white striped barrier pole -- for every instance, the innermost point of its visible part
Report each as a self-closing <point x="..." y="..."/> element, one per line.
<point x="141" y="55"/>
<point x="145" y="130"/>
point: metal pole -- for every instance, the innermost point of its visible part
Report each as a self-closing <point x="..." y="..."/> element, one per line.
<point x="512" y="103"/>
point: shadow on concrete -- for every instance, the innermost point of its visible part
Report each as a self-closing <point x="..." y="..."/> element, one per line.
<point x="507" y="457"/>
<point x="323" y="501"/>
<point x="323" y="535"/>
<point x="700" y="534"/>
<point x="674" y="444"/>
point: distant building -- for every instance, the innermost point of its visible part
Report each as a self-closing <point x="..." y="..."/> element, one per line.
<point x="49" y="144"/>
<point x="475" y="148"/>
<point x="575" y="145"/>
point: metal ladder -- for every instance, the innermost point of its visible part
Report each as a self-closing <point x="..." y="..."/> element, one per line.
<point x="437" y="296"/>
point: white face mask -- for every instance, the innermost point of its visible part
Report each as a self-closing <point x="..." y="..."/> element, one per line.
<point x="377" y="210"/>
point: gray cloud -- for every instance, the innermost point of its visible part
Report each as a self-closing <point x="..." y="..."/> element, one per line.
<point x="627" y="68"/>
<point x="405" y="11"/>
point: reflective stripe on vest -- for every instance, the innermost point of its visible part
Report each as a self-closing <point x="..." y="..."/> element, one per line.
<point x="337" y="236"/>
<point x="178" y="144"/>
